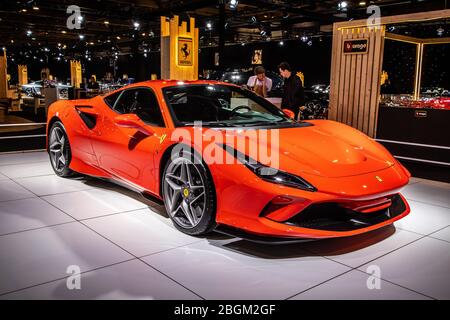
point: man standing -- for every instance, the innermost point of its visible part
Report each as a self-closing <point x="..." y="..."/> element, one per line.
<point x="259" y="83"/>
<point x="293" y="95"/>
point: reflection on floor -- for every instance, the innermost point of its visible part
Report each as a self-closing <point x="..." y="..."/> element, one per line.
<point x="126" y="247"/>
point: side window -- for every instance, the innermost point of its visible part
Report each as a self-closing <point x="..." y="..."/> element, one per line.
<point x="146" y="106"/>
<point x="125" y="102"/>
<point x="111" y="99"/>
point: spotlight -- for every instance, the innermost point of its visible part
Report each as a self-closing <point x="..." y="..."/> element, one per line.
<point x="80" y="18"/>
<point x="209" y="25"/>
<point x="136" y="24"/>
<point x="81" y="36"/>
<point x="29" y="32"/>
<point x="36" y="8"/>
<point x="304" y="38"/>
<point x="362" y="3"/>
<point x="233" y="4"/>
<point x="63" y="31"/>
<point x="281" y="43"/>
<point x="106" y="22"/>
<point x="440" y="31"/>
<point x="343" y="5"/>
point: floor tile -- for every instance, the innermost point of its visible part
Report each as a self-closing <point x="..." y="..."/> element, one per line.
<point x="432" y="192"/>
<point x="27" y="214"/>
<point x="354" y="286"/>
<point x="224" y="272"/>
<point x="139" y="232"/>
<point x="10" y="190"/>
<point x="443" y="234"/>
<point x="422" y="266"/>
<point x="94" y="203"/>
<point x="27" y="170"/>
<point x="357" y="250"/>
<point x="34" y="257"/>
<point x="424" y="218"/>
<point x="128" y="280"/>
<point x="23" y="157"/>
<point x="48" y="185"/>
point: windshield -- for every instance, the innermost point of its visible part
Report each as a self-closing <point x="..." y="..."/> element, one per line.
<point x="221" y="105"/>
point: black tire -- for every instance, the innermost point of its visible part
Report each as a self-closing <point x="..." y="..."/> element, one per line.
<point x="61" y="168"/>
<point x="207" y="221"/>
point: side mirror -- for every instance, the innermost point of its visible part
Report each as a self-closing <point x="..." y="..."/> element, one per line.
<point x="132" y="121"/>
<point x="289" y="113"/>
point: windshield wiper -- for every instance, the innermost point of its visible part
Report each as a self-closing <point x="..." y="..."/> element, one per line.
<point x="212" y="124"/>
<point x="263" y="123"/>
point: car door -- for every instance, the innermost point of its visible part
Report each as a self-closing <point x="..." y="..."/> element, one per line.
<point x="126" y="152"/>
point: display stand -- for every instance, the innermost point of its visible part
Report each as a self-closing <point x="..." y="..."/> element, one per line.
<point x="355" y="75"/>
<point x="22" y="74"/>
<point x="179" y="49"/>
<point x="75" y="73"/>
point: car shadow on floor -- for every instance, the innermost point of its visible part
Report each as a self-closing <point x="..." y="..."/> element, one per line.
<point x="326" y="247"/>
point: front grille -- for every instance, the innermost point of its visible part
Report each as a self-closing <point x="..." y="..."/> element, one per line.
<point x="332" y="216"/>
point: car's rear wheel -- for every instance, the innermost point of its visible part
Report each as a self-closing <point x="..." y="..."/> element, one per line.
<point x="188" y="194"/>
<point x="59" y="150"/>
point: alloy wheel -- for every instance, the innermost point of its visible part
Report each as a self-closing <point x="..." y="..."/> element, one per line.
<point x="184" y="193"/>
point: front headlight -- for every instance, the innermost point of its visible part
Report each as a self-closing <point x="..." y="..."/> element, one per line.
<point x="271" y="174"/>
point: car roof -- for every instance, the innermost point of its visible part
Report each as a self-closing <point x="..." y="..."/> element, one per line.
<point x="170" y="83"/>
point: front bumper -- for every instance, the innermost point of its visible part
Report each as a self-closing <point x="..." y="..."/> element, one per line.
<point x="243" y="201"/>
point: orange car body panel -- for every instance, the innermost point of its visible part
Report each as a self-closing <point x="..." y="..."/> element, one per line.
<point x="341" y="162"/>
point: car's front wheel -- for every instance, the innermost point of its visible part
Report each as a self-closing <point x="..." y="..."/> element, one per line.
<point x="59" y="150"/>
<point x="188" y="194"/>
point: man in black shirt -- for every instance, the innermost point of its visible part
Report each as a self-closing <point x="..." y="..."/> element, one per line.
<point x="293" y="95"/>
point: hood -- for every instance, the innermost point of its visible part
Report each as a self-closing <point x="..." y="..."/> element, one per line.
<point x="326" y="149"/>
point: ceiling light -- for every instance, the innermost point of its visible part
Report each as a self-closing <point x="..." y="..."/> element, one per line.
<point x="63" y="31"/>
<point x="106" y="22"/>
<point x="136" y="24"/>
<point x="342" y="5"/>
<point x="29" y="32"/>
<point x="23" y="10"/>
<point x="233" y="4"/>
<point x="281" y="43"/>
<point x="440" y="31"/>
<point x="209" y="25"/>
<point x="35" y="8"/>
<point x="118" y="38"/>
<point x="81" y="36"/>
<point x="80" y="18"/>
<point x="362" y="3"/>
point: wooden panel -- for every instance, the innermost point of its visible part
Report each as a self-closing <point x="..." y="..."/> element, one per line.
<point x="22" y="72"/>
<point x="362" y="90"/>
<point x="355" y="84"/>
<point x="170" y="32"/>
<point x="3" y="76"/>
<point x="75" y="73"/>
<point x="357" y="92"/>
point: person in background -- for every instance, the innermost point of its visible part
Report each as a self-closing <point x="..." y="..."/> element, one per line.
<point x="259" y="83"/>
<point x="93" y="84"/>
<point x="293" y="94"/>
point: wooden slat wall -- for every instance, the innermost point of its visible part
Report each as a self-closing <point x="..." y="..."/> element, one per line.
<point x="3" y="76"/>
<point x="355" y="79"/>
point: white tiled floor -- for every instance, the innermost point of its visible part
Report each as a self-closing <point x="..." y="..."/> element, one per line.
<point x="126" y="248"/>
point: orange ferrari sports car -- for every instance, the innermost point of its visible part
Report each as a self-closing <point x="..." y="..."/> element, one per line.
<point x="170" y="139"/>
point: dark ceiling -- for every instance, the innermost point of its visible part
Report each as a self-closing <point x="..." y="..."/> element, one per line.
<point x="110" y="24"/>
